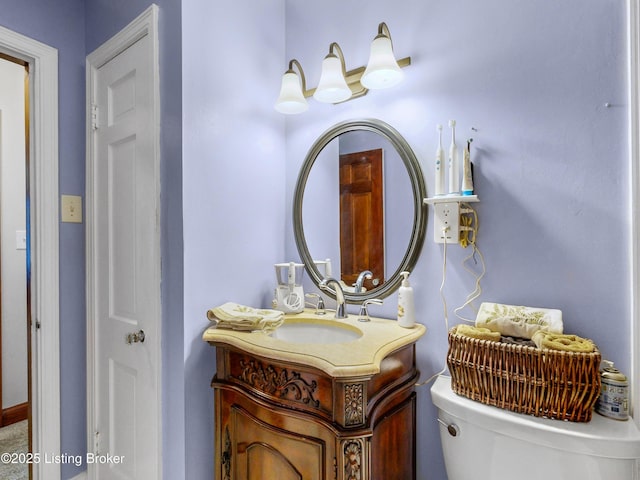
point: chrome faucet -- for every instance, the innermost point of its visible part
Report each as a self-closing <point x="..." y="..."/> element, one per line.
<point x="340" y="309"/>
<point x="358" y="285"/>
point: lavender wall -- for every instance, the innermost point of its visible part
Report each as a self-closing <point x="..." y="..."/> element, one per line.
<point x="61" y="25"/>
<point x="551" y="159"/>
<point x="233" y="183"/>
<point x="551" y="168"/>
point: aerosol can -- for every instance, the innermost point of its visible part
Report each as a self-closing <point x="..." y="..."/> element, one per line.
<point x="614" y="396"/>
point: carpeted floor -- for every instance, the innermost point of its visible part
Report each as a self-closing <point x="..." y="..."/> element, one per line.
<point x="13" y="439"/>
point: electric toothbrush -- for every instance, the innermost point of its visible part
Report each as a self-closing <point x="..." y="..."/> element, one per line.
<point x="454" y="167"/>
<point x="440" y="164"/>
<point x="467" y="176"/>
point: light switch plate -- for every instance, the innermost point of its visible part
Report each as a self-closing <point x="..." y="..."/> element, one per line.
<point x="71" y="206"/>
<point x="21" y="239"/>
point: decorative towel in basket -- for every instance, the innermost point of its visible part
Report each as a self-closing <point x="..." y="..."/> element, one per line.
<point x="524" y="379"/>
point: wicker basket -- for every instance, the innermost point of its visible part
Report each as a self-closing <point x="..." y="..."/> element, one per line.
<point x="545" y="383"/>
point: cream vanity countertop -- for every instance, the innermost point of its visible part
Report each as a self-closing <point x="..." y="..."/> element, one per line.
<point x="361" y="356"/>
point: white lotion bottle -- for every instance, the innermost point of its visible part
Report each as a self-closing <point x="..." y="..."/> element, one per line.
<point x="406" y="310"/>
<point x="454" y="162"/>
<point x="439" y="190"/>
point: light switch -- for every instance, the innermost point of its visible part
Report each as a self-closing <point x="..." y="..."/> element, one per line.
<point x="71" y="208"/>
<point x="21" y="240"/>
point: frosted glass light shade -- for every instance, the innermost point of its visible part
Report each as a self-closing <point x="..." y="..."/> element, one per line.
<point x="291" y="99"/>
<point x="332" y="87"/>
<point x="382" y="70"/>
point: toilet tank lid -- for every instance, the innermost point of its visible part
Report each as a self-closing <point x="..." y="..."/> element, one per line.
<point x="603" y="437"/>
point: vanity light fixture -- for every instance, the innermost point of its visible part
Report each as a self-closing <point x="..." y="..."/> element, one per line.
<point x="336" y="83"/>
<point x="292" y="91"/>
<point x="332" y="87"/>
<point x="382" y="70"/>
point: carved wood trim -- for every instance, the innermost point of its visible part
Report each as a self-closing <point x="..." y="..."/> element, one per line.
<point x="226" y="455"/>
<point x="278" y="382"/>
<point x="354" y="404"/>
<point x="352" y="450"/>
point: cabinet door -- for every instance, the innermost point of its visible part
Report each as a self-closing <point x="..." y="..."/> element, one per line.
<point x="264" y="452"/>
<point x="393" y="447"/>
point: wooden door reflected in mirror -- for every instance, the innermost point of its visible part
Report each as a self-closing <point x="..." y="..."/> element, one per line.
<point x="362" y="217"/>
<point x="377" y="226"/>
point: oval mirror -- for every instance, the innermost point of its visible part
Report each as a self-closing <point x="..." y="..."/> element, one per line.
<point x="358" y="208"/>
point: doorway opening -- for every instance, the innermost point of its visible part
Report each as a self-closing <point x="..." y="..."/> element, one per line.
<point x="15" y="318"/>
<point x="42" y="238"/>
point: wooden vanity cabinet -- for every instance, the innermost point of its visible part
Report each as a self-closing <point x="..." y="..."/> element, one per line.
<point x="276" y="420"/>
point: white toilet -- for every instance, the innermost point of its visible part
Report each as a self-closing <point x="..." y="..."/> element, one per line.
<point x="481" y="442"/>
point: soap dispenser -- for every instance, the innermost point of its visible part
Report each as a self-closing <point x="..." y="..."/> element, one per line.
<point x="406" y="311"/>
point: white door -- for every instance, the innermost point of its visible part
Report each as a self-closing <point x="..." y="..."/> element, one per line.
<point x="124" y="265"/>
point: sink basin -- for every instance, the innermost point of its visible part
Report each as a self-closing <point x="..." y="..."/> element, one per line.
<point x="340" y="348"/>
<point x="316" y="331"/>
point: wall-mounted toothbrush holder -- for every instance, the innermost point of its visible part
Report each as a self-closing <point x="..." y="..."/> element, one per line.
<point x="446" y="226"/>
<point x="451" y="198"/>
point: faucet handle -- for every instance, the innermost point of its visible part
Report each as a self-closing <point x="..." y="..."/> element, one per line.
<point x="319" y="304"/>
<point x="364" y="312"/>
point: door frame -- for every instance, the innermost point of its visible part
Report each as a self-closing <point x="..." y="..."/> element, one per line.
<point x="145" y="24"/>
<point x="43" y="186"/>
<point x="633" y="26"/>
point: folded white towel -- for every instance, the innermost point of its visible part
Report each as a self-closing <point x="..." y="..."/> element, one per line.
<point x="240" y="317"/>
<point x="518" y="321"/>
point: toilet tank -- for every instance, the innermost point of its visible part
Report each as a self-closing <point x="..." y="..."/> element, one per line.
<point x="482" y="442"/>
